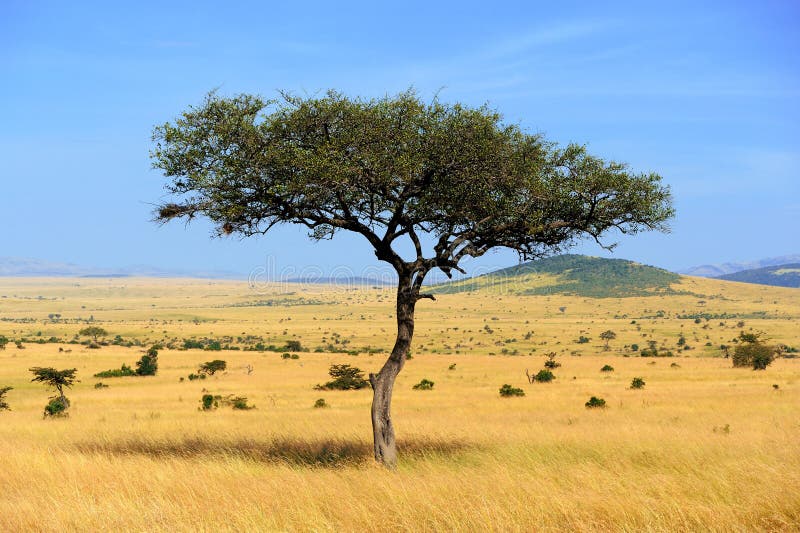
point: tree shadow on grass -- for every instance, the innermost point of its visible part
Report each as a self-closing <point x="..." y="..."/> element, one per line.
<point x="319" y="453"/>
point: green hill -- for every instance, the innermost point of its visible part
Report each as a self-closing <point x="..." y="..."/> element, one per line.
<point x="577" y="275"/>
<point x="778" y="276"/>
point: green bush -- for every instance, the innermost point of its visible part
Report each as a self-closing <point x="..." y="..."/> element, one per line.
<point x="100" y="385"/>
<point x="3" y="404"/>
<point x="240" y="403"/>
<point x="148" y="364"/>
<point x="634" y="347"/>
<point x="345" y="377"/>
<point x="595" y="402"/>
<point x="607" y="368"/>
<point x="320" y="403"/>
<point x="193" y="377"/>
<point x="756" y="355"/>
<point x="452" y="366"/>
<point x="544" y="376"/>
<point x="583" y="340"/>
<point x="507" y="391"/>
<point x="425" y="384"/>
<point x="551" y="361"/>
<point x="294" y="346"/>
<point x="121" y="372"/>
<point x="56" y="407"/>
<point x="637" y="383"/>
<point x="208" y="403"/>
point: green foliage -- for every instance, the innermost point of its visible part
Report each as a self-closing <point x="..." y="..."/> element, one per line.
<point x="93" y="332"/>
<point x="583" y="340"/>
<point x="123" y="371"/>
<point x="607" y="368"/>
<point x="212" y="367"/>
<point x="207" y="402"/>
<point x="57" y="379"/>
<point x="345" y="377"/>
<point x="3" y="342"/>
<point x="148" y="364"/>
<point x="634" y="347"/>
<point x="756" y="355"/>
<point x="239" y="403"/>
<point x="289" y="356"/>
<point x="294" y="346"/>
<point x="551" y="362"/>
<point x="193" y="377"/>
<point x="320" y="403"/>
<point x="3" y="403"/>
<point x="544" y="376"/>
<point x="425" y="384"/>
<point x="595" y="403"/>
<point x="56" y="407"/>
<point x="507" y="390"/>
<point x="100" y="385"/>
<point x="637" y="383"/>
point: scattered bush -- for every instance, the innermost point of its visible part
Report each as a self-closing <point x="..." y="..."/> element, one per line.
<point x="583" y="340"/>
<point x="544" y="376"/>
<point x="100" y="385"/>
<point x="452" y="366"/>
<point x="507" y="390"/>
<point x="121" y="372"/>
<point x="320" y="403"/>
<point x="637" y="383"/>
<point x="294" y="346"/>
<point x="607" y="368"/>
<point x="212" y="367"/>
<point x="674" y="365"/>
<point x="148" y="364"/>
<point x="595" y="402"/>
<point x="551" y="361"/>
<point x="425" y="384"/>
<point x="634" y="347"/>
<point x="755" y="354"/>
<point x="3" y="403"/>
<point x="210" y="402"/>
<point x="193" y="377"/>
<point x="56" y="407"/>
<point x="345" y="377"/>
<point x="3" y="342"/>
<point x="289" y="356"/>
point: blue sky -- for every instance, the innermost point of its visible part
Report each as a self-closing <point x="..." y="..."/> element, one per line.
<point x="705" y="93"/>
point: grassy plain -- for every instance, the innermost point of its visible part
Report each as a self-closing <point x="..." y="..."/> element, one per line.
<point x="702" y="447"/>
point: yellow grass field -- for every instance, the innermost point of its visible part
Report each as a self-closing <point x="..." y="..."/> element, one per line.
<point x="702" y="446"/>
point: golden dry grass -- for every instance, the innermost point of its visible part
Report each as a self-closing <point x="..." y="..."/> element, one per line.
<point x="702" y="447"/>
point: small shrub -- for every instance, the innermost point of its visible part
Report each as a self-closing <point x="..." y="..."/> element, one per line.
<point x="345" y="377"/>
<point x="320" y="403"/>
<point x="120" y="372"/>
<point x="634" y="347"/>
<point x="208" y="402"/>
<point x="755" y="354"/>
<point x="595" y="402"/>
<point x="56" y="407"/>
<point x="452" y="366"/>
<point x="674" y="365"/>
<point x="294" y="346"/>
<point x="507" y="391"/>
<point x="607" y="368"/>
<point x="193" y="377"/>
<point x="551" y="361"/>
<point x="3" y="403"/>
<point x="425" y="384"/>
<point x="544" y="376"/>
<point x="240" y="403"/>
<point x="583" y="340"/>
<point x="775" y="386"/>
<point x="100" y="385"/>
<point x="637" y="383"/>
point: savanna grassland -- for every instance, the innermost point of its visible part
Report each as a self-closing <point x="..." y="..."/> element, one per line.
<point x="702" y="446"/>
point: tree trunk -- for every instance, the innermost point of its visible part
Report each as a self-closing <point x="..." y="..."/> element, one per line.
<point x="383" y="382"/>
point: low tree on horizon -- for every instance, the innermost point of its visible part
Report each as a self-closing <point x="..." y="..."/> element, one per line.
<point x="426" y="184"/>
<point x="93" y="331"/>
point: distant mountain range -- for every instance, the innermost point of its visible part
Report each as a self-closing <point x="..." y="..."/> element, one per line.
<point x="21" y="266"/>
<point x="723" y="269"/>
<point x="780" y="276"/>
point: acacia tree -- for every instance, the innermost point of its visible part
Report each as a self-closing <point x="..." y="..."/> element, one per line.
<point x="56" y="379"/>
<point x="445" y="180"/>
<point x="608" y="336"/>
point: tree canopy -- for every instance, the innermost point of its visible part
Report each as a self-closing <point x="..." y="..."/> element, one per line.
<point x="393" y="168"/>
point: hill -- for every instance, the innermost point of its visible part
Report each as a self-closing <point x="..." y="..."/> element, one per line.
<point x="569" y="274"/>
<point x="722" y="269"/>
<point x="778" y="276"/>
<point x="28" y="267"/>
